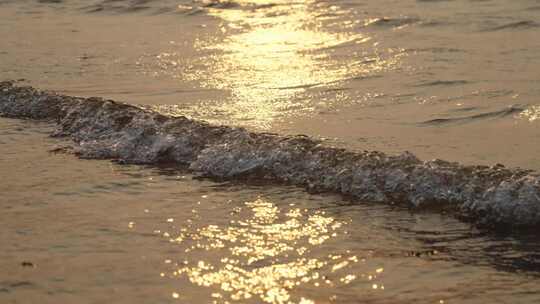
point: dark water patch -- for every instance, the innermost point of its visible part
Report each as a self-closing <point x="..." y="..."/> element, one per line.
<point x="436" y="23"/>
<point x="526" y="24"/>
<point x="28" y="264"/>
<point x="467" y="119"/>
<point x="97" y="8"/>
<point x="93" y="8"/>
<point x="11" y="285"/>
<point x="111" y="187"/>
<point x="364" y="77"/>
<point x="443" y="83"/>
<point x="448" y="240"/>
<point x="504" y="250"/>
<point x="133" y="9"/>
<point x="465" y="109"/>
<point x="437" y="50"/>
<point x="506" y="253"/>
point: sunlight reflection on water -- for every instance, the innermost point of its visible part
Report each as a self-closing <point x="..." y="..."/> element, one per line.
<point x="531" y="114"/>
<point x="264" y="253"/>
<point x="271" y="55"/>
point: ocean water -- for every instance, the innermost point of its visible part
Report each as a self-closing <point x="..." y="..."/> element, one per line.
<point x="457" y="80"/>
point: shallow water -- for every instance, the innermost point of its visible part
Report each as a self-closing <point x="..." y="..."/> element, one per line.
<point x="96" y="231"/>
<point x="457" y="80"/>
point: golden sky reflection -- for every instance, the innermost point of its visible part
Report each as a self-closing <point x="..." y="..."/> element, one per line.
<point x="265" y="253"/>
<point x="271" y="54"/>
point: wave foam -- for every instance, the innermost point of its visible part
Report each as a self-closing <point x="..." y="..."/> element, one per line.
<point x="105" y="129"/>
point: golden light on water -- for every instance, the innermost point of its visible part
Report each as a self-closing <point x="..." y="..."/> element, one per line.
<point x="264" y="254"/>
<point x="271" y="55"/>
<point x="531" y="113"/>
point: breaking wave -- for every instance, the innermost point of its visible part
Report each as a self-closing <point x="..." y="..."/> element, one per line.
<point x="526" y="24"/>
<point x="105" y="129"/>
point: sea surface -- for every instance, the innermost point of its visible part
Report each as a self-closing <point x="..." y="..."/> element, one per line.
<point x="457" y="80"/>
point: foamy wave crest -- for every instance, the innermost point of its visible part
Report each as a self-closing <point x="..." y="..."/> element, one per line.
<point x="105" y="129"/>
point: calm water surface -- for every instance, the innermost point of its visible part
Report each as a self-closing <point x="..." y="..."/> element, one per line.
<point x="96" y="232"/>
<point x="458" y="80"/>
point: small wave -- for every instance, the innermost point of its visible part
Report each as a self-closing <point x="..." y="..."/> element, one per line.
<point x="221" y="4"/>
<point x="443" y="83"/>
<point x="99" y="8"/>
<point x="105" y="129"/>
<point x="466" y="119"/>
<point x="231" y="4"/>
<point x="435" y="23"/>
<point x="345" y="44"/>
<point x="299" y="86"/>
<point x="126" y="7"/>
<point x="202" y="6"/>
<point x="527" y="24"/>
<point x="437" y="50"/>
<point x="391" y="22"/>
